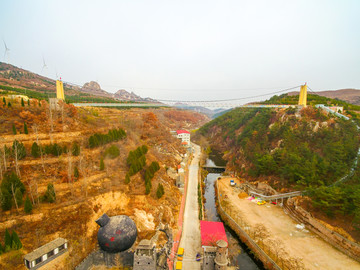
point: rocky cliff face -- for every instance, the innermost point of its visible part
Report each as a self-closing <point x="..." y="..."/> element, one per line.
<point x="94" y="88"/>
<point x="126" y="96"/>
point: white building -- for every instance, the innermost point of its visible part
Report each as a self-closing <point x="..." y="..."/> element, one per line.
<point x="184" y="135"/>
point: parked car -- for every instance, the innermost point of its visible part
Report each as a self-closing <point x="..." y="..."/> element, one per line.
<point x="261" y="202"/>
<point x="232" y="182"/>
<point x="180" y="254"/>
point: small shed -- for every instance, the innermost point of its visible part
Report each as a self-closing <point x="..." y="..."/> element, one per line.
<point x="45" y="253"/>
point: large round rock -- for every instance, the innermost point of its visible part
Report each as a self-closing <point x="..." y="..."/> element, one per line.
<point x="117" y="233"/>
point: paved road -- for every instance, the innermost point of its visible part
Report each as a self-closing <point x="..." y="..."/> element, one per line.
<point x="190" y="238"/>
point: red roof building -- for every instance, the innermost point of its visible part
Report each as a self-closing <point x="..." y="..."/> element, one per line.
<point x="181" y="131"/>
<point x="211" y="232"/>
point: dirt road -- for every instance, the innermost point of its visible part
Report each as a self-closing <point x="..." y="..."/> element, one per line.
<point x="190" y="237"/>
<point x="312" y="250"/>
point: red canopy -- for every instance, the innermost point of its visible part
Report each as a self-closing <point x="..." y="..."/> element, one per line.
<point x="211" y="232"/>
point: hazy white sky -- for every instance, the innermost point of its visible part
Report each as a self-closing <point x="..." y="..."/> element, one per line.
<point x="188" y="50"/>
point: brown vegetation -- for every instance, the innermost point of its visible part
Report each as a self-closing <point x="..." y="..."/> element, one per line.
<point x="79" y="202"/>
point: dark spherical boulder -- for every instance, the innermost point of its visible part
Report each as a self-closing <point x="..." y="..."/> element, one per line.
<point x="116" y="233"/>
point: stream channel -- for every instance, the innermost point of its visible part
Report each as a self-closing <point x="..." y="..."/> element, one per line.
<point x="239" y="254"/>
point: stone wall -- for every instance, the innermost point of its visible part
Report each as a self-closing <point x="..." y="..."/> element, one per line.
<point x="99" y="257"/>
<point x="343" y="244"/>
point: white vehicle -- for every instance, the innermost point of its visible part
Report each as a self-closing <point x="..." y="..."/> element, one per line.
<point x="232" y="182"/>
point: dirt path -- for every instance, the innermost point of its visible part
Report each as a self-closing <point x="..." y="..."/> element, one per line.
<point x="190" y="237"/>
<point x="315" y="253"/>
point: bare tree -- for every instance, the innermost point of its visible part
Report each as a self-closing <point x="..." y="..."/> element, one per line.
<point x="260" y="232"/>
<point x="295" y="263"/>
<point x="62" y="116"/>
<point x="277" y="247"/>
<point x="13" y="193"/>
<point x="35" y="128"/>
<point x="84" y="184"/>
<point x="4" y="155"/>
<point x="1" y="171"/>
<point x="16" y="160"/>
<point x="30" y="184"/>
<point x="70" y="172"/>
<point x="51" y="119"/>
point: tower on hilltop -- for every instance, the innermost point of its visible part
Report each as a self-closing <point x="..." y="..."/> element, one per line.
<point x="303" y="95"/>
<point x="60" y="90"/>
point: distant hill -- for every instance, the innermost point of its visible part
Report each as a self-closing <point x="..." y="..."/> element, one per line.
<point x="349" y="95"/>
<point x="41" y="87"/>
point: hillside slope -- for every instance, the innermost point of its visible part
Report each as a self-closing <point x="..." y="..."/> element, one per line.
<point x="307" y="150"/>
<point x="63" y="147"/>
<point x="37" y="86"/>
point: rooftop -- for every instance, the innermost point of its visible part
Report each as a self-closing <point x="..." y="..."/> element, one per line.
<point x="211" y="232"/>
<point x="44" y="249"/>
<point x="181" y="131"/>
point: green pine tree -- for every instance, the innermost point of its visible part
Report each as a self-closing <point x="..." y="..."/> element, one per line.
<point x="75" y="149"/>
<point x="4" y="101"/>
<point x="76" y="172"/>
<point x="50" y="195"/>
<point x="160" y="191"/>
<point x="102" y="164"/>
<point x="8" y="241"/>
<point x="16" y="243"/>
<point x="26" y="128"/>
<point x="147" y="187"/>
<point x="127" y="178"/>
<point x="18" y="197"/>
<point x="5" y="199"/>
<point x="35" y="150"/>
<point x="21" y="151"/>
<point x="14" y="129"/>
<point x="39" y="103"/>
<point x="28" y="102"/>
<point x="9" y="104"/>
<point x="28" y="205"/>
<point x="22" y="102"/>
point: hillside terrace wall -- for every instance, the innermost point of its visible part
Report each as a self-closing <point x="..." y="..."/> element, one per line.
<point x="343" y="244"/>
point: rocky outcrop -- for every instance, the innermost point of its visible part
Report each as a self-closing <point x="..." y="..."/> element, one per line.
<point x="94" y="88"/>
<point x="126" y="96"/>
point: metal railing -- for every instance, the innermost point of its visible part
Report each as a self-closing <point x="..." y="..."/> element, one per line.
<point x="276" y="196"/>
